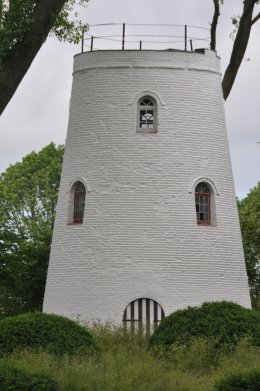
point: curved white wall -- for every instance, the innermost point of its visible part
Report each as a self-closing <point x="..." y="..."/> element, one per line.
<point x="140" y="237"/>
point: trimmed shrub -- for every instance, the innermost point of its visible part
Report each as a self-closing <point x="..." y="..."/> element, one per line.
<point x="246" y="381"/>
<point x="13" y="379"/>
<point x="53" y="333"/>
<point x="224" y="322"/>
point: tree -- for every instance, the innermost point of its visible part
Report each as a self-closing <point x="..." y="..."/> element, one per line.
<point x="249" y="214"/>
<point x="28" y="196"/>
<point x="243" y="25"/>
<point x="24" y="27"/>
<point x="26" y="24"/>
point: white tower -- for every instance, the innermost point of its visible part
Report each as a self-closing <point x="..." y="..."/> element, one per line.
<point x="146" y="220"/>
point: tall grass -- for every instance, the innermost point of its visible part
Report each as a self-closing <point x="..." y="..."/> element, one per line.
<point x="126" y="364"/>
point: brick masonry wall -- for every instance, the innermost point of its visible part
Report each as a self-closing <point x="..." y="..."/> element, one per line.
<point x="140" y="237"/>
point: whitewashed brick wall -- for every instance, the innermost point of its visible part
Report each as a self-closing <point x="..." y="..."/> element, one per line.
<point x="140" y="237"/>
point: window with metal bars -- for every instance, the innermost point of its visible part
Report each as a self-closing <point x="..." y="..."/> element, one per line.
<point x="79" y="192"/>
<point x="202" y="202"/>
<point x="143" y="315"/>
<point x="147" y="115"/>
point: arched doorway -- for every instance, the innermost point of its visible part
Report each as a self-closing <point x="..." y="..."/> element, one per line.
<point x="143" y="315"/>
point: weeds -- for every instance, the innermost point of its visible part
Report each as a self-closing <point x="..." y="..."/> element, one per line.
<point x="126" y="364"/>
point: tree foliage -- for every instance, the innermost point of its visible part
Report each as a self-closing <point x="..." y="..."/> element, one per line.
<point x="249" y="214"/>
<point x="28" y="196"/>
<point x="26" y="24"/>
<point x="24" y="27"/>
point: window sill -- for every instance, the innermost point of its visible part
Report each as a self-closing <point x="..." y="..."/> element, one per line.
<point x="79" y="223"/>
<point x="205" y="225"/>
<point x="144" y="130"/>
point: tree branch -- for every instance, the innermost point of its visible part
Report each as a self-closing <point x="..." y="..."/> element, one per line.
<point x="214" y="23"/>
<point x="255" y="19"/>
<point x="239" y="47"/>
<point x="20" y="59"/>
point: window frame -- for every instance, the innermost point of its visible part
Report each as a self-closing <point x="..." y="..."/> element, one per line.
<point x="153" y="108"/>
<point x="203" y="194"/>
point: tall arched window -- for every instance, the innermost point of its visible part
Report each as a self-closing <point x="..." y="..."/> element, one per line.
<point x="202" y="202"/>
<point x="147" y="115"/>
<point x="79" y="194"/>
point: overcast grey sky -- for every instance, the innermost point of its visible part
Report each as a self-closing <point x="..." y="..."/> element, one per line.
<point x="38" y="113"/>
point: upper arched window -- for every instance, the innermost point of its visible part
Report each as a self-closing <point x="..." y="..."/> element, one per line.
<point x="79" y="194"/>
<point x="203" y="203"/>
<point x="147" y="115"/>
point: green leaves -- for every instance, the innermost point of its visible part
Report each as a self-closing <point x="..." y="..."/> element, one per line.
<point x="18" y="16"/>
<point x="28" y="197"/>
<point x="67" y="27"/>
<point x="249" y="214"/>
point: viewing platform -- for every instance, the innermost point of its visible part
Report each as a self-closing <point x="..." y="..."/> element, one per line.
<point x="136" y="36"/>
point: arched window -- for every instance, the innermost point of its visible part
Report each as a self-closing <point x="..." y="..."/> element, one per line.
<point x="143" y="315"/>
<point x="147" y="115"/>
<point x="79" y="194"/>
<point x="203" y="203"/>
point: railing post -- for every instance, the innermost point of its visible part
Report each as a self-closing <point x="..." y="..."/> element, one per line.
<point x="82" y="40"/>
<point x="123" y="37"/>
<point x="185" y="37"/>
<point x="140" y="47"/>
<point x="191" y="45"/>
<point x="91" y="43"/>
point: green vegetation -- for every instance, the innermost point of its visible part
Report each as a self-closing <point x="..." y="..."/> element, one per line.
<point x="28" y="197"/>
<point x="249" y="215"/>
<point x="24" y="27"/>
<point x="13" y="379"/>
<point x="224" y="322"/>
<point x="126" y="364"/>
<point x="243" y="381"/>
<point x="53" y="333"/>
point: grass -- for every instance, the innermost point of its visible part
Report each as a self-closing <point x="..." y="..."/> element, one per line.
<point x="126" y="364"/>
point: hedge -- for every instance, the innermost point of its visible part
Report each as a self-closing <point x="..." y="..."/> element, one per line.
<point x="53" y="333"/>
<point x="13" y="379"/>
<point x="244" y="381"/>
<point x="225" y="322"/>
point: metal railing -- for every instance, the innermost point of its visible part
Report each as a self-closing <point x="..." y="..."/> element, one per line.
<point x="133" y="36"/>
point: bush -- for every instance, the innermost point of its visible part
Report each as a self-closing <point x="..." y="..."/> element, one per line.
<point x="13" y="379"/>
<point x="247" y="381"/>
<point x="224" y="322"/>
<point x="53" y="333"/>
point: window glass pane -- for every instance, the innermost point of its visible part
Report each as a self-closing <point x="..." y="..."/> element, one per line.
<point x="205" y="208"/>
<point x="202" y="187"/>
<point x="146" y="118"/>
<point x="146" y="102"/>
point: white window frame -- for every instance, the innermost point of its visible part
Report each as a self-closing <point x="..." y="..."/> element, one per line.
<point x="153" y="108"/>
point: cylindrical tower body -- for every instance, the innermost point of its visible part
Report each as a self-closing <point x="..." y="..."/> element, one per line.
<point x="146" y="128"/>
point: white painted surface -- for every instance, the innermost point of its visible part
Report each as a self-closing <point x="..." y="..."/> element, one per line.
<point x="140" y="237"/>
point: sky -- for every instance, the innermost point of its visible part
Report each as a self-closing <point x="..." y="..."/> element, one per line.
<point x="38" y="112"/>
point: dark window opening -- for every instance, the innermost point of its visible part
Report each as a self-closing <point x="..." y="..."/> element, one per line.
<point x="79" y="203"/>
<point x="202" y="202"/>
<point x="143" y="315"/>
